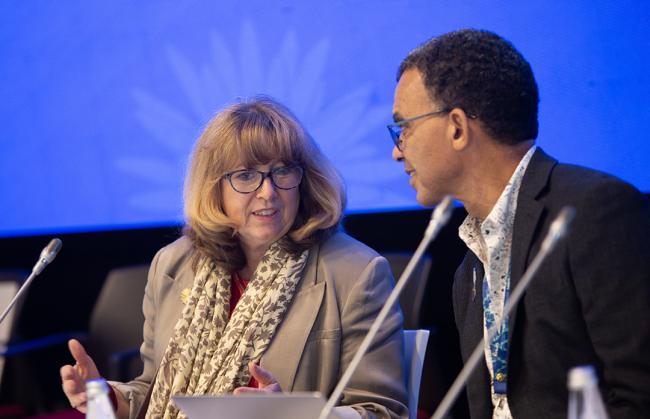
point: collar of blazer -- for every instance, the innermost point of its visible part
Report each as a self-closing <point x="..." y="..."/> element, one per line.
<point x="283" y="355"/>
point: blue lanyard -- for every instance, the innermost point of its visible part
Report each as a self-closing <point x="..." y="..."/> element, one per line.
<point x="499" y="342"/>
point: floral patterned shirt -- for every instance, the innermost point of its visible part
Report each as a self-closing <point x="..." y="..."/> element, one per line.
<point x="491" y="241"/>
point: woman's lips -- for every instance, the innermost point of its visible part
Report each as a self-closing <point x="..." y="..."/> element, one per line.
<point x="265" y="212"/>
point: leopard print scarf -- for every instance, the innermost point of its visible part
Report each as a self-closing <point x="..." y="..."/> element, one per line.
<point x="208" y="352"/>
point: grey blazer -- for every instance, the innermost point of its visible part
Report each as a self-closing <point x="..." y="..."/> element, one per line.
<point x="341" y="292"/>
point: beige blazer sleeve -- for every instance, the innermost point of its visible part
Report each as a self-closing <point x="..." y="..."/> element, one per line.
<point x="343" y="287"/>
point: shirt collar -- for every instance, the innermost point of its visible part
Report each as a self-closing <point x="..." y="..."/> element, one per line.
<point x="501" y="215"/>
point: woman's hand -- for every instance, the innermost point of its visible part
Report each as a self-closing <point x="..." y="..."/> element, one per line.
<point x="267" y="384"/>
<point x="73" y="378"/>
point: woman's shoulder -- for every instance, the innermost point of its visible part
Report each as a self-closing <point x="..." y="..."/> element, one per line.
<point x="176" y="254"/>
<point x="347" y="264"/>
<point x="344" y="252"/>
<point x="340" y="241"/>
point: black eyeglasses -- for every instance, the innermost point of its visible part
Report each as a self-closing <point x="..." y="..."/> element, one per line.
<point x="248" y="180"/>
<point x="396" y="128"/>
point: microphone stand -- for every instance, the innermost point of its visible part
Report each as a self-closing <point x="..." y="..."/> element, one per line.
<point x="439" y="218"/>
<point x="556" y="232"/>
<point x="47" y="255"/>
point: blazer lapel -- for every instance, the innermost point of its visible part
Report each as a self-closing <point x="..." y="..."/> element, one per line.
<point x="528" y="219"/>
<point x="283" y="355"/>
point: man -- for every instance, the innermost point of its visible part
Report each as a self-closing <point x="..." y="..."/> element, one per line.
<point x="465" y="124"/>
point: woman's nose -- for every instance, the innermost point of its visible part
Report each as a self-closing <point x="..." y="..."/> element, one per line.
<point x="267" y="190"/>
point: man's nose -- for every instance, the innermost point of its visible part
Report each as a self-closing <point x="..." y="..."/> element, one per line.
<point x="397" y="154"/>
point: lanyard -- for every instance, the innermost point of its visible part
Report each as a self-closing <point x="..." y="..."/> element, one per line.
<point x="499" y="342"/>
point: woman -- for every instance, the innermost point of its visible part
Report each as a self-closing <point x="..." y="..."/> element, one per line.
<point x="262" y="293"/>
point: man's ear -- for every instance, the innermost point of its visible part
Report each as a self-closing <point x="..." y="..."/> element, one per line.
<point x="458" y="129"/>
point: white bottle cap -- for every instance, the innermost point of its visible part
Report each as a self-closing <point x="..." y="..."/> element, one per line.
<point x="582" y="377"/>
<point x="96" y="387"/>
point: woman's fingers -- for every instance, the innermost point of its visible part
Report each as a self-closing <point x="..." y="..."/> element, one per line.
<point x="264" y="378"/>
<point x="74" y="387"/>
<point x="267" y="383"/>
<point x="73" y="378"/>
<point x="248" y="390"/>
<point x="85" y="365"/>
<point x="67" y="372"/>
<point x="72" y="382"/>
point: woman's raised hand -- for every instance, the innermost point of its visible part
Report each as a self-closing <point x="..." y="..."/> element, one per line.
<point x="74" y="377"/>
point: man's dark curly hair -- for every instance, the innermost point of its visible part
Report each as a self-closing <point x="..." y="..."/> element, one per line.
<point x="483" y="74"/>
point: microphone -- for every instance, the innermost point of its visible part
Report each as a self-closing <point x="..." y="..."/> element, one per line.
<point x="556" y="232"/>
<point x="439" y="218"/>
<point x="558" y="228"/>
<point x="47" y="256"/>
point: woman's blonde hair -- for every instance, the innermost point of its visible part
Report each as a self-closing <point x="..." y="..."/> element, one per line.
<point x="251" y="133"/>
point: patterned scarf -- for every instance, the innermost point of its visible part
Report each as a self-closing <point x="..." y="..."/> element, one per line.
<point x="209" y="353"/>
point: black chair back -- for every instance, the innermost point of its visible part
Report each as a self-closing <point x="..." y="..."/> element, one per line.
<point x="115" y="330"/>
<point x="411" y="298"/>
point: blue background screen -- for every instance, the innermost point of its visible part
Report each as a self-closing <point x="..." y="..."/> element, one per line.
<point x="101" y="102"/>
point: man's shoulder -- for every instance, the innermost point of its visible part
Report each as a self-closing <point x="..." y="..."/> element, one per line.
<point x="585" y="184"/>
<point x="573" y="183"/>
<point x="583" y="176"/>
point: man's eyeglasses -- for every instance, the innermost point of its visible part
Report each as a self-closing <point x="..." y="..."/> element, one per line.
<point x="396" y="128"/>
<point x="247" y="180"/>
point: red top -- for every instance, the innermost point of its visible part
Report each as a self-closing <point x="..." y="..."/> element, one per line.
<point x="237" y="287"/>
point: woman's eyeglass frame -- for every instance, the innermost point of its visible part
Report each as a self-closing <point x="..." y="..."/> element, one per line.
<point x="263" y="175"/>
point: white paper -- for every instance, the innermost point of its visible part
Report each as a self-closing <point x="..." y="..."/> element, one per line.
<point x="253" y="406"/>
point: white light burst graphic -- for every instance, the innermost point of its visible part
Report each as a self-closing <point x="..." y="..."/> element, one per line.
<point x="341" y="127"/>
